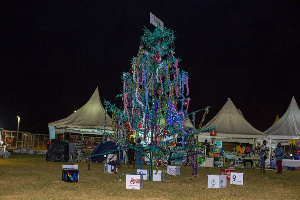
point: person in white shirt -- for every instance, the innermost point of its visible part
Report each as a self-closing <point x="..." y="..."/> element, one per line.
<point x="113" y="160"/>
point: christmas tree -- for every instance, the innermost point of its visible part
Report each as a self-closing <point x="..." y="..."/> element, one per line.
<point x="155" y="97"/>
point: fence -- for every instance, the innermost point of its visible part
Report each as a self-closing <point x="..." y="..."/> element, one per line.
<point x="18" y="139"/>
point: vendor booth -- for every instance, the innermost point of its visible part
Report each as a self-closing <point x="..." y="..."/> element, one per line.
<point x="90" y="121"/>
<point x="287" y="132"/>
<point x="232" y="129"/>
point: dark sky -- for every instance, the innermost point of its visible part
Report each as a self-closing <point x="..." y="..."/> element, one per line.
<point x="53" y="55"/>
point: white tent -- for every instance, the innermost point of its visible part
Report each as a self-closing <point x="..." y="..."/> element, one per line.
<point x="188" y="123"/>
<point x="231" y="126"/>
<point x="288" y="126"/>
<point x="90" y="118"/>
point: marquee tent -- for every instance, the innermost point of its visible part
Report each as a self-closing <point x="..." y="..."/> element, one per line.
<point x="89" y="119"/>
<point x="285" y="129"/>
<point x="188" y="123"/>
<point x="288" y="126"/>
<point x="231" y="126"/>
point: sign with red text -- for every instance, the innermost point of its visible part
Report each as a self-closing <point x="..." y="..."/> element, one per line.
<point x="134" y="182"/>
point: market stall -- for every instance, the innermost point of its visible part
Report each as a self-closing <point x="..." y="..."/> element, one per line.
<point x="231" y="130"/>
<point x="286" y="131"/>
<point x="91" y="122"/>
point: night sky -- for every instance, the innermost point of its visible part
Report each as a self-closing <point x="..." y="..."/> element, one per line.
<point x="53" y="55"/>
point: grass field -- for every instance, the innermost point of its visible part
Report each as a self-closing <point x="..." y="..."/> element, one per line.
<point x="25" y="176"/>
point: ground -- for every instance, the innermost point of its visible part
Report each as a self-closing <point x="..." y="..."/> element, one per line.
<point x="24" y="176"/>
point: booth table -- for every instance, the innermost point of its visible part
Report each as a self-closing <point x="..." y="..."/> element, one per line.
<point x="290" y="163"/>
<point x="241" y="162"/>
<point x="255" y="161"/>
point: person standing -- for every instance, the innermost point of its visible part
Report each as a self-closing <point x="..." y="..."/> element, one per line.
<point x="72" y="148"/>
<point x="79" y="148"/>
<point x="139" y="154"/>
<point x="207" y="147"/>
<point x="263" y="157"/>
<point x="131" y="154"/>
<point x="248" y="150"/>
<point x="279" y="157"/>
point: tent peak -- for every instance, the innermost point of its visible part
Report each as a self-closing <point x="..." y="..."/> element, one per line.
<point x="293" y="103"/>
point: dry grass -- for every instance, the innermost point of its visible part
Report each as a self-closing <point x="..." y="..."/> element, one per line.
<point x="31" y="177"/>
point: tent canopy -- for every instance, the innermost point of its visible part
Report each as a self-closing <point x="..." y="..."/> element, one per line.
<point x="288" y="126"/>
<point x="91" y="115"/>
<point x="188" y="123"/>
<point x="230" y="123"/>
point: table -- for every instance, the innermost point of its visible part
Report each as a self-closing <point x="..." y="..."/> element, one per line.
<point x="290" y="163"/>
<point x="255" y="161"/>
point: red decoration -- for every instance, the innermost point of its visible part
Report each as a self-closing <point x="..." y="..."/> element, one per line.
<point x="140" y="125"/>
<point x="165" y="132"/>
<point x="159" y="161"/>
<point x="186" y="103"/>
<point x="157" y="57"/>
<point x="213" y="133"/>
<point x="159" y="91"/>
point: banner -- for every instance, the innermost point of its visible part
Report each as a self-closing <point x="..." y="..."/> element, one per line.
<point x="51" y="132"/>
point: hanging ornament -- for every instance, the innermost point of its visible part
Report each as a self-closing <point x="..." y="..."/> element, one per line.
<point x="157" y="57"/>
<point x="159" y="161"/>
<point x="140" y="125"/>
<point x="159" y="91"/>
<point x="186" y="103"/>
<point x="213" y="133"/>
<point x="165" y="132"/>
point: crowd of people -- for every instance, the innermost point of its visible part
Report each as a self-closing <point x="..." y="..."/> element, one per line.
<point x="133" y="153"/>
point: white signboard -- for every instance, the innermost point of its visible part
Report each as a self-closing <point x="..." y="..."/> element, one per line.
<point x="109" y="168"/>
<point x="143" y="172"/>
<point x="159" y="175"/>
<point x="173" y="170"/>
<point x="236" y="178"/>
<point x="134" y="182"/>
<point x="216" y="181"/>
<point x="156" y="22"/>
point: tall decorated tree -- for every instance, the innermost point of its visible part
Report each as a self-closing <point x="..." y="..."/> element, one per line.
<point x="155" y="90"/>
<point x="155" y="97"/>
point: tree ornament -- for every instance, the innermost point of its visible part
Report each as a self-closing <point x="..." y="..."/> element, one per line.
<point x="159" y="91"/>
<point x="213" y="133"/>
<point x="186" y="103"/>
